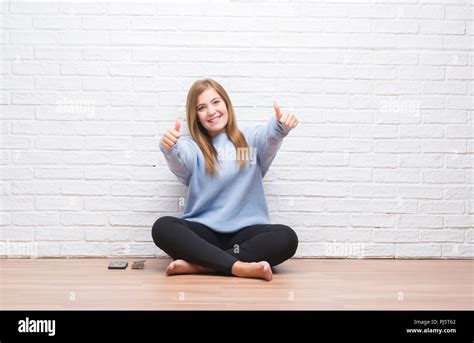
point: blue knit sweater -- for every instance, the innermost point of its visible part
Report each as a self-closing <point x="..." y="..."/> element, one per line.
<point x="234" y="198"/>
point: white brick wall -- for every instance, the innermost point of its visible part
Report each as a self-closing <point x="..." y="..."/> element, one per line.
<point x="379" y="166"/>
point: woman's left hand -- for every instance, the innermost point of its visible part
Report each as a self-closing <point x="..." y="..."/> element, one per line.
<point x="288" y="120"/>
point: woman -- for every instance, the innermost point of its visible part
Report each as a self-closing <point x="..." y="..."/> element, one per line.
<point x="225" y="226"/>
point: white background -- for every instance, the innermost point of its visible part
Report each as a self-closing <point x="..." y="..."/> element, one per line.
<point x="380" y="164"/>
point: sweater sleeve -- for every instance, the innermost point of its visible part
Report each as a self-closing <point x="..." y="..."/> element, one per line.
<point x="267" y="139"/>
<point x="181" y="159"/>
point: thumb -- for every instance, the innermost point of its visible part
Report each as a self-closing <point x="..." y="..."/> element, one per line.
<point x="177" y="125"/>
<point x="277" y="110"/>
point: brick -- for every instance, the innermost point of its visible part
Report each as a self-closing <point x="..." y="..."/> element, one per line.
<point x="59" y="143"/>
<point x="442" y="236"/>
<point x="390" y="206"/>
<point x="421" y="12"/>
<point x="84" y="219"/>
<point x="58" y="83"/>
<point x="458" y="250"/>
<point x="35" y="68"/>
<point x="326" y="220"/>
<point x="435" y="207"/>
<point x="375" y="221"/>
<point x="379" y="250"/>
<point x="58" y="203"/>
<point x="58" y="53"/>
<point x="369" y="131"/>
<point x="106" y="23"/>
<point x="420" y="221"/>
<point x="133" y="189"/>
<point x="16" y="173"/>
<point x="107" y="173"/>
<point x="85" y="249"/>
<point x="395" y="236"/>
<point x="444" y="176"/>
<point x="412" y="41"/>
<point x="373" y="191"/>
<point x="163" y="204"/>
<point x="346" y="206"/>
<point x="107" y="143"/>
<point x="458" y="192"/>
<point x="83" y="38"/>
<point x="461" y="221"/>
<point x="17" y="82"/>
<point x="396" y="176"/>
<point x="31" y="187"/>
<point x="15" y="142"/>
<point x="417" y="250"/>
<point x="460" y="102"/>
<point x="130" y="9"/>
<point x="36" y="219"/>
<point x="133" y="38"/>
<point x="448" y="28"/>
<point x="374" y="160"/>
<point x="101" y="234"/>
<point x="373" y="11"/>
<point x="459" y="73"/>
<point x="420" y="161"/>
<point x="420" y="192"/>
<point x="446" y="87"/>
<point x="81" y="8"/>
<point x="459" y="161"/>
<point x="348" y="174"/>
<point x="134" y="219"/>
<point x="58" y="173"/>
<point x="107" y="54"/>
<point x="60" y="234"/>
<point x="57" y="22"/>
<point x="15" y="234"/>
<point x="443" y="58"/>
<point x="421" y="131"/>
<point x="442" y="117"/>
<point x="34" y="38"/>
<point x="84" y="188"/>
<point x="352" y="145"/>
<point x="459" y="131"/>
<point x="33" y="7"/>
<point x="459" y="12"/>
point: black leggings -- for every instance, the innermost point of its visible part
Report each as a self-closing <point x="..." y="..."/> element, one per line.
<point x="198" y="244"/>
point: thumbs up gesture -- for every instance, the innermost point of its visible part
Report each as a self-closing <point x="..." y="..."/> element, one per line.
<point x="172" y="135"/>
<point x="288" y="120"/>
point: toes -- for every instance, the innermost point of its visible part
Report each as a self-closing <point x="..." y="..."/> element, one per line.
<point x="267" y="270"/>
<point x="170" y="268"/>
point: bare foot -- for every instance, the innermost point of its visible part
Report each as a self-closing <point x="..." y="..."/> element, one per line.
<point x="259" y="270"/>
<point x="184" y="267"/>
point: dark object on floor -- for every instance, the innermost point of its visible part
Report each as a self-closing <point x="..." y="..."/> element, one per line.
<point x="138" y="264"/>
<point x="118" y="265"/>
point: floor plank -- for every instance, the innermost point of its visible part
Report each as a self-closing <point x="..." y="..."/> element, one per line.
<point x="310" y="284"/>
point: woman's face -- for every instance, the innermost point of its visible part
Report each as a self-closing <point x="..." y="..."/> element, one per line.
<point x="212" y="112"/>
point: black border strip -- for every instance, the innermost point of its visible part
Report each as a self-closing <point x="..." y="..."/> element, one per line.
<point x="321" y="326"/>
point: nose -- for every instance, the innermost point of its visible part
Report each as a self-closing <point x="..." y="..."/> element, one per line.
<point x="211" y="111"/>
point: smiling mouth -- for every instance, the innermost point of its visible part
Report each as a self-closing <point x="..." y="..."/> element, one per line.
<point x="215" y="119"/>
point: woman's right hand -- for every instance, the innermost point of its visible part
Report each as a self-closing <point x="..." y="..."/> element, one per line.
<point x="171" y="136"/>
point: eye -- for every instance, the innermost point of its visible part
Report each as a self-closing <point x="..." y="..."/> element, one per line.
<point x="216" y="102"/>
<point x="200" y="109"/>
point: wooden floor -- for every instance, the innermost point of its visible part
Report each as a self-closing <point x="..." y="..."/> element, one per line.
<point x="312" y="284"/>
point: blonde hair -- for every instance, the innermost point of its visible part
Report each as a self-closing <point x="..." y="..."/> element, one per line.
<point x="200" y="134"/>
